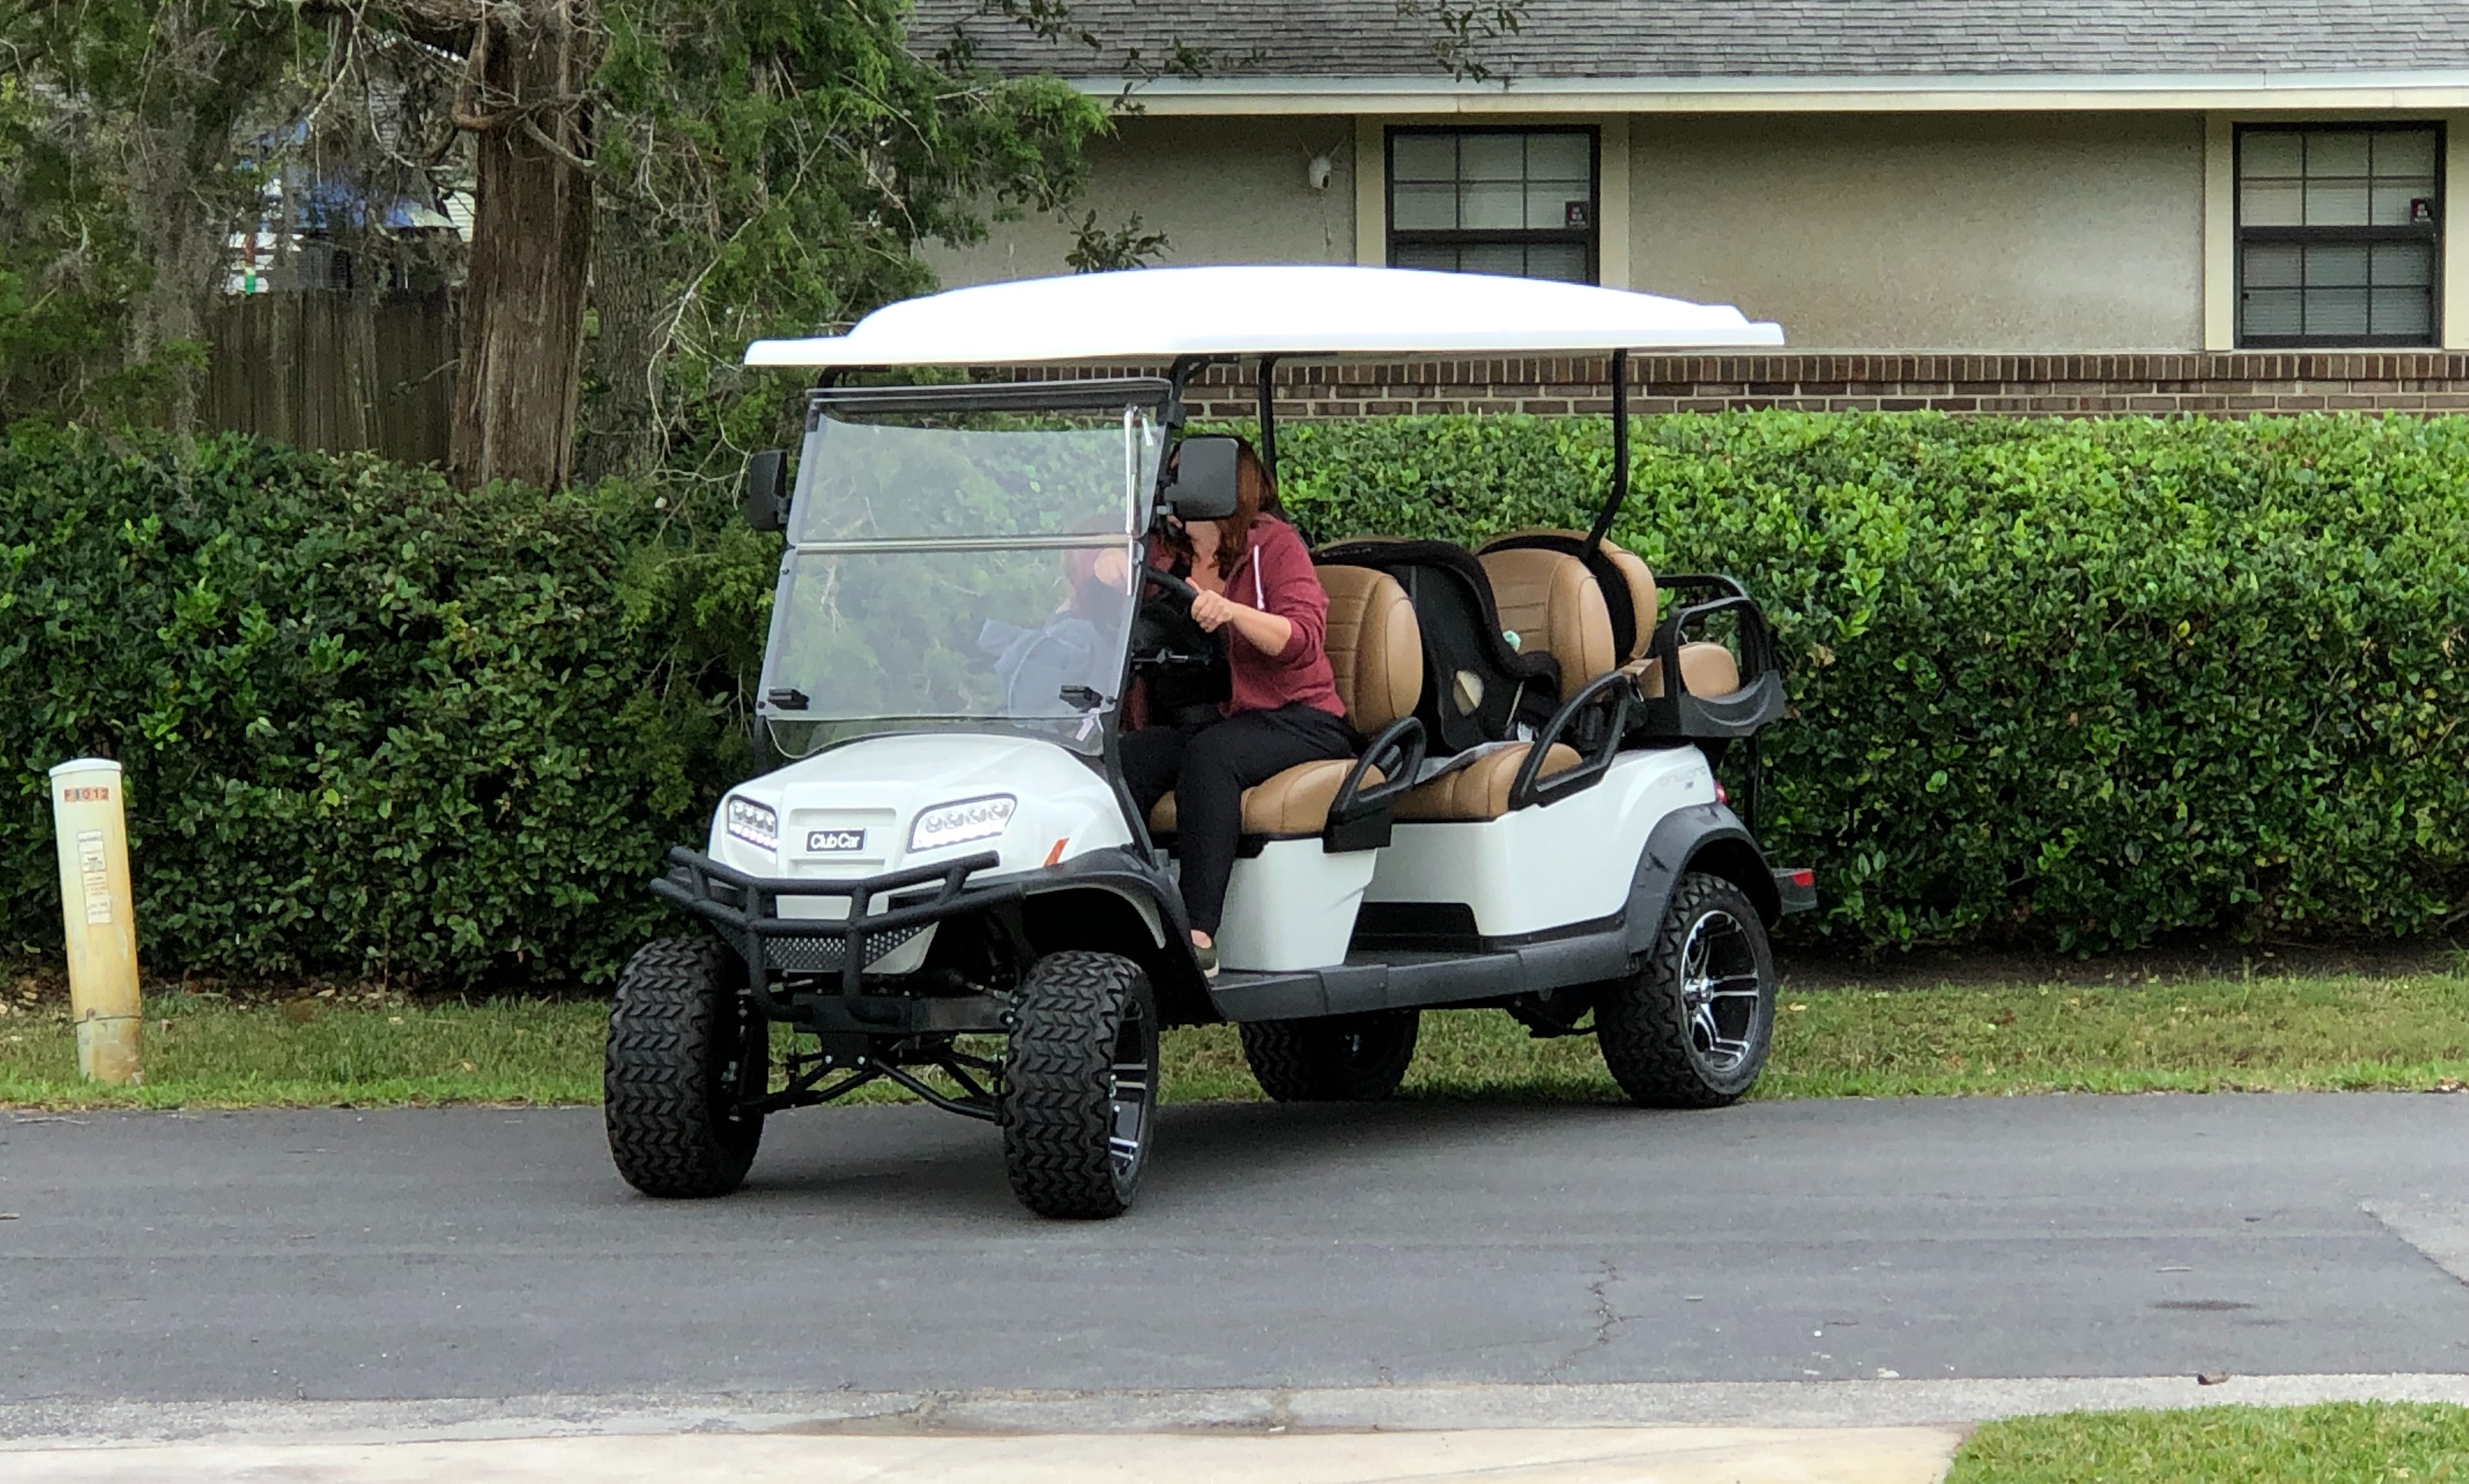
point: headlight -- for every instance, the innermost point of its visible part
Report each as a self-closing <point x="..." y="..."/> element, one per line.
<point x="958" y="824"/>
<point x="753" y="823"/>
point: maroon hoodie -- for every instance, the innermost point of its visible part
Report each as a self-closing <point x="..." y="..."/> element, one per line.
<point x="1274" y="575"/>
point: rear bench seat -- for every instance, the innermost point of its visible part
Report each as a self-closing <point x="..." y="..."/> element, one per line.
<point x="1376" y="653"/>
<point x="1706" y="669"/>
<point x="1553" y="605"/>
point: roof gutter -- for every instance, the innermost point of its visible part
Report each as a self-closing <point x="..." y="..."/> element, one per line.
<point x="1234" y="94"/>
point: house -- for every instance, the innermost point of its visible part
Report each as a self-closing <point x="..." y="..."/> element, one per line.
<point x="1990" y="205"/>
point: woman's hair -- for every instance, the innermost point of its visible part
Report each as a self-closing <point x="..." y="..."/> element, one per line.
<point x="1256" y="492"/>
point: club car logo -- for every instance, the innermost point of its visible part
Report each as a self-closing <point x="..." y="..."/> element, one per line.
<point x="824" y="842"/>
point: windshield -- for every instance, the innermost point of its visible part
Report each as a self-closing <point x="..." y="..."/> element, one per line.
<point x="962" y="568"/>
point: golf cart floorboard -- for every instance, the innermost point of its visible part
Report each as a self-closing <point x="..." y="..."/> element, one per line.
<point x="1400" y="979"/>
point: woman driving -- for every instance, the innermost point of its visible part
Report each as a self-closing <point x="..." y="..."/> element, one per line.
<point x="1258" y="593"/>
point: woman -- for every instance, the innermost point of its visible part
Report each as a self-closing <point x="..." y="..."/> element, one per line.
<point x="1258" y="591"/>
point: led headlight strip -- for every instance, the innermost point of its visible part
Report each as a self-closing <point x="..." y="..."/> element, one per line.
<point x="958" y="823"/>
<point x="756" y="824"/>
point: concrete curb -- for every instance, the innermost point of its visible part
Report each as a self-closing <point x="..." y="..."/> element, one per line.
<point x="33" y="1425"/>
<point x="1583" y="1455"/>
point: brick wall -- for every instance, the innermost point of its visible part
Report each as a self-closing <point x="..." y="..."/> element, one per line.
<point x="2216" y="384"/>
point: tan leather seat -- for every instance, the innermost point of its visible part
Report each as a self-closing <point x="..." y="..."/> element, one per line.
<point x="1706" y="669"/>
<point x="1479" y="790"/>
<point x="1376" y="654"/>
<point x="1294" y="803"/>
<point x="1551" y="603"/>
<point x="1636" y="580"/>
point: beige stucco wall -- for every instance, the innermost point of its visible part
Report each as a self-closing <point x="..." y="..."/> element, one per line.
<point x="1972" y="232"/>
<point x="1221" y="189"/>
<point x="1941" y="232"/>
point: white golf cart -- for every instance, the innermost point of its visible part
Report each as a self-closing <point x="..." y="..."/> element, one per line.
<point x="950" y="877"/>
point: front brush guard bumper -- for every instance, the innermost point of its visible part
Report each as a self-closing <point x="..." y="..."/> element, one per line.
<point x="884" y="912"/>
<point x="862" y="1037"/>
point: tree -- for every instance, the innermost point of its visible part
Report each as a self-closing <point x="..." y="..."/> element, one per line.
<point x="772" y="166"/>
<point x="131" y="124"/>
<point x="655" y="182"/>
<point x="67" y="266"/>
<point x="528" y="69"/>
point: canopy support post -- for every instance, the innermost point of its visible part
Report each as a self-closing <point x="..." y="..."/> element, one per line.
<point x="1182" y="373"/>
<point x="1619" y="493"/>
<point x="1269" y="417"/>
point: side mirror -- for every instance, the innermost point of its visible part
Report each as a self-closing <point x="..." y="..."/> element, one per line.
<point x="1204" y="478"/>
<point x="767" y="508"/>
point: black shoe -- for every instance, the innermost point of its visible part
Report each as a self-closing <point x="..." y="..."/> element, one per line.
<point x="1208" y="958"/>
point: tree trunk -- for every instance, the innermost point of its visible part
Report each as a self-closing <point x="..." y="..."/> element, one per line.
<point x="529" y="268"/>
<point x="622" y="427"/>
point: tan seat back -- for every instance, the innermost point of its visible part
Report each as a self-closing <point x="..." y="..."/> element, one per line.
<point x="1551" y="603"/>
<point x="1376" y="654"/>
<point x="1635" y="578"/>
<point x="1375" y="651"/>
<point x="1643" y="598"/>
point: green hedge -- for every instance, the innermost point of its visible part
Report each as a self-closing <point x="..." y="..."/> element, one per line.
<point x="2077" y="684"/>
<point x="371" y="724"/>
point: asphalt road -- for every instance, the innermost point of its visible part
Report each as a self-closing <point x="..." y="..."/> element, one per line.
<point x="482" y="1252"/>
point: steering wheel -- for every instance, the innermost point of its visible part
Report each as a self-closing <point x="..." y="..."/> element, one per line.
<point x="1174" y="585"/>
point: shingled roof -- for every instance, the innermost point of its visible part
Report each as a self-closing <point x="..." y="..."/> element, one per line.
<point x="1731" y="38"/>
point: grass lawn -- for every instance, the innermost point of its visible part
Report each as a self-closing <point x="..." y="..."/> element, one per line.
<point x="2339" y="1443"/>
<point x="2260" y="1033"/>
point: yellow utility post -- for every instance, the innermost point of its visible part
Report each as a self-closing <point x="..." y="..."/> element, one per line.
<point x="100" y="917"/>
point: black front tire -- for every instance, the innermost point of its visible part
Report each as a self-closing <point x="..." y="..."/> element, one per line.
<point x="684" y="1050"/>
<point x="1692" y="1026"/>
<point x="1337" y="1058"/>
<point x="1080" y="1092"/>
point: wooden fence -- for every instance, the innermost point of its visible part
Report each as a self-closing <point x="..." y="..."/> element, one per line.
<point x="322" y="371"/>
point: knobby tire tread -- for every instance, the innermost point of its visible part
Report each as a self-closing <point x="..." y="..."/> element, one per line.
<point x="669" y="1024"/>
<point x="1305" y="1061"/>
<point x="1642" y="1022"/>
<point x="1057" y="1115"/>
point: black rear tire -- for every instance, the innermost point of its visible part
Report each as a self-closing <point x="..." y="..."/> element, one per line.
<point x="1336" y="1058"/>
<point x="684" y="1050"/>
<point x="1691" y="1027"/>
<point x="1080" y="1089"/>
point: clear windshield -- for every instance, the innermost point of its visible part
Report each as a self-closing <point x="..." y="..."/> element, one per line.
<point x="962" y="574"/>
<point x="912" y="480"/>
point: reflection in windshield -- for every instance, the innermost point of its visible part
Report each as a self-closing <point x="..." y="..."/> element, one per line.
<point x="944" y="633"/>
<point x="889" y="481"/>
<point x="957" y="620"/>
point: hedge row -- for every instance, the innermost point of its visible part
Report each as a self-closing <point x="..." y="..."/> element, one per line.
<point x="2076" y="684"/>
<point x="371" y="724"/>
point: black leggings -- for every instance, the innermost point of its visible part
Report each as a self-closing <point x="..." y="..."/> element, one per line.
<point x="1207" y="768"/>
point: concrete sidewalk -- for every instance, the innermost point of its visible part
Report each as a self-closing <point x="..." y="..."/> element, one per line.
<point x="1587" y="1455"/>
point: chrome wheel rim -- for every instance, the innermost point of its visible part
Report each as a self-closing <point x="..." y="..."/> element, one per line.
<point x="1720" y="987"/>
<point x="1130" y="1084"/>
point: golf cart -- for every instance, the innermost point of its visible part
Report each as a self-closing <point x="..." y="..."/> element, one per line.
<point x="949" y="887"/>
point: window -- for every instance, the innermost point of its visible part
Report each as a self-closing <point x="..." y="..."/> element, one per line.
<point x="2339" y="235"/>
<point x="1521" y="202"/>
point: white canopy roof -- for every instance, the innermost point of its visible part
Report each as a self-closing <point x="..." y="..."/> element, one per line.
<point x="1161" y="313"/>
